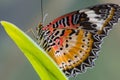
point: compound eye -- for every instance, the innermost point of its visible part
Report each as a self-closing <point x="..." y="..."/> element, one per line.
<point x="39" y="27"/>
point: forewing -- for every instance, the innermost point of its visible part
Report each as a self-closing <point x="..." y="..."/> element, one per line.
<point x="98" y="19"/>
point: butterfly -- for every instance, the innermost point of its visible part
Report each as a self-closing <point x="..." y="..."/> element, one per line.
<point x="74" y="40"/>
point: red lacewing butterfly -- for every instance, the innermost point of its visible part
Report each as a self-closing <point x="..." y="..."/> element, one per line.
<point x="74" y="39"/>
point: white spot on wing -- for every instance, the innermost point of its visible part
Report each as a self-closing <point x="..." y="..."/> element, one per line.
<point x="95" y="20"/>
<point x="83" y="10"/>
<point x="85" y="48"/>
<point x="99" y="26"/>
<point x="58" y="54"/>
<point x="91" y="14"/>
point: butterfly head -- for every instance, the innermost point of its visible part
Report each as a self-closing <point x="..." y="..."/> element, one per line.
<point x="39" y="27"/>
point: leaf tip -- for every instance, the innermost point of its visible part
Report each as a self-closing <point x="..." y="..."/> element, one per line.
<point x="3" y="23"/>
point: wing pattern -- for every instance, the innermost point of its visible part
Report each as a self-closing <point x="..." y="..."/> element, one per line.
<point x="74" y="40"/>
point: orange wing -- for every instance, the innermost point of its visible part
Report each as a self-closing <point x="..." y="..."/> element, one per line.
<point x="74" y="40"/>
<point x="73" y="49"/>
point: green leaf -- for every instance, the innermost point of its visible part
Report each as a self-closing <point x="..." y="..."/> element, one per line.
<point x="41" y="62"/>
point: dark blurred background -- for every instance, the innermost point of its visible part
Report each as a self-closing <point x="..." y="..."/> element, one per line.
<point x="26" y="14"/>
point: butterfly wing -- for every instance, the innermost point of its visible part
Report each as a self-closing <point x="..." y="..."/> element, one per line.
<point x="73" y="40"/>
<point x="94" y="19"/>
<point x="72" y="50"/>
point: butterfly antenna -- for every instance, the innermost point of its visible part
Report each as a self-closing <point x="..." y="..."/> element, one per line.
<point x="41" y="11"/>
<point x="44" y="18"/>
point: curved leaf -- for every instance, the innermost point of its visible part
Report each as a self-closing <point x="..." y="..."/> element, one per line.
<point x="42" y="63"/>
